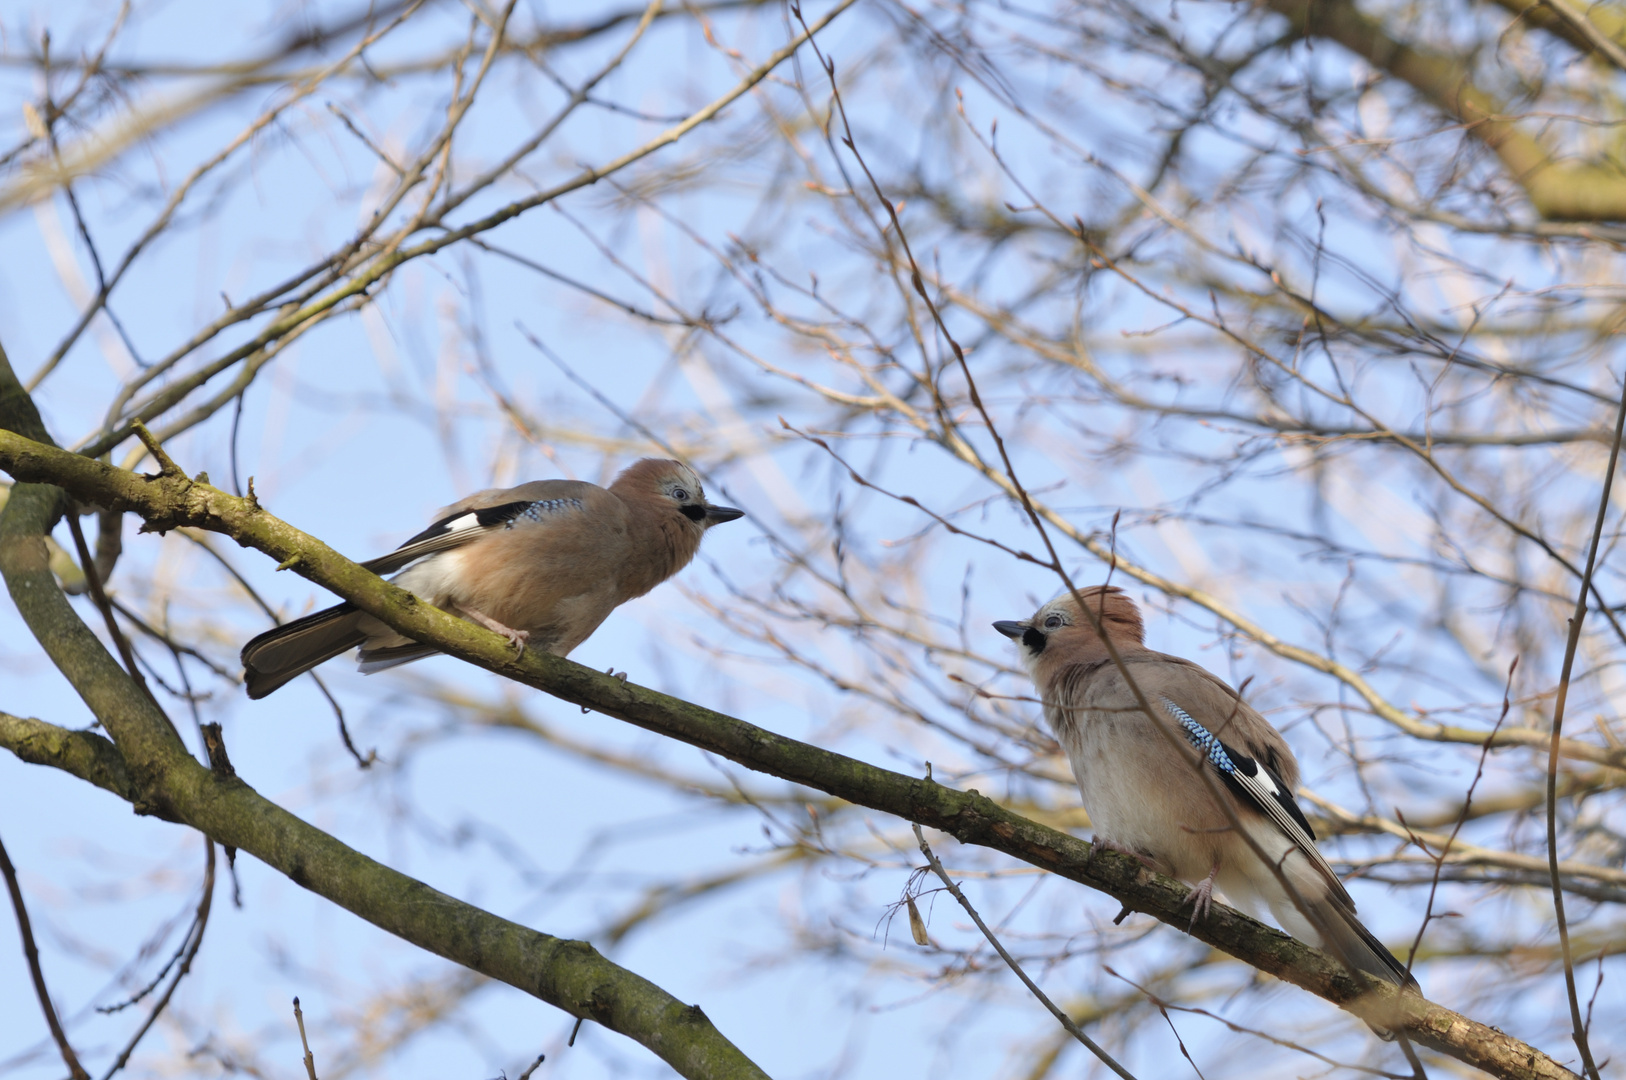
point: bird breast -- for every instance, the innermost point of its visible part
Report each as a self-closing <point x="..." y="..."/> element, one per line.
<point x="556" y="580"/>
<point x="1137" y="792"/>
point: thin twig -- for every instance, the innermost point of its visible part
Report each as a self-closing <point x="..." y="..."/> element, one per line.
<point x="1066" y="1021"/>
<point x="166" y="464"/>
<point x="1163" y="1003"/>
<point x="1589" y="30"/>
<point x="32" y="952"/>
<point x="1570" y="646"/>
<point x="310" y="1058"/>
<point x="99" y="595"/>
<point x="193" y="943"/>
<point x="1160" y="724"/>
<point x="1462" y="818"/>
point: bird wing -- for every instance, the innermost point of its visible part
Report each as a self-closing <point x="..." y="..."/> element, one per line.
<point x="539" y="502"/>
<point x="1260" y="787"/>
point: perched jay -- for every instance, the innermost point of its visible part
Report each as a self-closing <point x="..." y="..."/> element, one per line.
<point x="542" y="564"/>
<point x="1145" y="802"/>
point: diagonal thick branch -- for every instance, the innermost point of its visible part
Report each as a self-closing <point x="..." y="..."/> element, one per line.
<point x="147" y="764"/>
<point x="172" y="500"/>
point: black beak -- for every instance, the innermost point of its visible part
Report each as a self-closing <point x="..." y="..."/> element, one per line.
<point x="1011" y="629"/>
<point x="716" y="515"/>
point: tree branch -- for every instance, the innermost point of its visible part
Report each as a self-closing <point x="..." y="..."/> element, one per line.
<point x="84" y="754"/>
<point x="1559" y="191"/>
<point x="161" y="778"/>
<point x="166" y="502"/>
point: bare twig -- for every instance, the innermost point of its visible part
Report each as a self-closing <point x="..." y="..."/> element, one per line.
<point x="32" y="953"/>
<point x="310" y="1058"/>
<point x="1589" y="30"/>
<point x="166" y="464"/>
<point x="1462" y="818"/>
<point x="1572" y="642"/>
<point x="1066" y="1021"/>
<point x="99" y="595"/>
<point x="190" y="947"/>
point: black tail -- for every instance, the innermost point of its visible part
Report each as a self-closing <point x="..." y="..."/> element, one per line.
<point x="289" y="651"/>
<point x="1365" y="952"/>
<point x="1358" y="947"/>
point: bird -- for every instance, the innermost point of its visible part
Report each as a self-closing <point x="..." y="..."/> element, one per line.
<point x="542" y="564"/>
<point x="1147" y="805"/>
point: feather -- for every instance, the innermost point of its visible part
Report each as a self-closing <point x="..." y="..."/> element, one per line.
<point x="543" y="564"/>
<point x="1140" y="801"/>
<point x="287" y="651"/>
<point x="1262" y="789"/>
<point x="465" y="527"/>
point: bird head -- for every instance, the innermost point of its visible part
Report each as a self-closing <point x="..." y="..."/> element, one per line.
<point x="673" y="484"/>
<point x="1060" y="629"/>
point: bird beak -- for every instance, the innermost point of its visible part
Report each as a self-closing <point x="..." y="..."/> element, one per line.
<point x="1011" y="629"/>
<point x="716" y="515"/>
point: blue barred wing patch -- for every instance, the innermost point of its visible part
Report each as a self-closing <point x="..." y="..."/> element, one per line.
<point x="1255" y="782"/>
<point x="469" y="525"/>
<point x="1204" y="740"/>
<point x="540" y="509"/>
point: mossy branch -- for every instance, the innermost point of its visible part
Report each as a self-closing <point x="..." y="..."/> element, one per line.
<point x="84" y="754"/>
<point x="147" y="764"/>
<point x="166" y="502"/>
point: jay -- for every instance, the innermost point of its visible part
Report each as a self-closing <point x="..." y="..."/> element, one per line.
<point x="1144" y="803"/>
<point x="542" y="564"/>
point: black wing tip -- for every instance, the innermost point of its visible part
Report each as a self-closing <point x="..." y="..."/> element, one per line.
<point x="490" y="516"/>
<point x="1284" y="797"/>
<point x="1387" y="966"/>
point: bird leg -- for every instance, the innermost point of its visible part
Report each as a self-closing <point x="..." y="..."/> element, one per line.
<point x="516" y="638"/>
<point x="1144" y="860"/>
<point x="1201" y="896"/>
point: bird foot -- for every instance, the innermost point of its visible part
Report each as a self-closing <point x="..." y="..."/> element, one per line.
<point x="1201" y="897"/>
<point x="516" y="638"/>
<point x="1097" y="841"/>
<point x="614" y="674"/>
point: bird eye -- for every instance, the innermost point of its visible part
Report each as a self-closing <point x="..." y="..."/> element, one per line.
<point x="680" y="494"/>
<point x="1052" y="621"/>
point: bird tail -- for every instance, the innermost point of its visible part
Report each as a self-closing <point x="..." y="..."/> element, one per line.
<point x="384" y="657"/>
<point x="1331" y="925"/>
<point x="289" y="651"/>
<point x="1361" y="948"/>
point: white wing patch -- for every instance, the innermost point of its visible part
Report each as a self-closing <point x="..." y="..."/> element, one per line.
<point x="459" y="529"/>
<point x="1258" y="784"/>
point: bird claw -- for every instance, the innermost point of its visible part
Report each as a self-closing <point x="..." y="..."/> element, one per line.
<point x="614" y="674"/>
<point x="1201" y="898"/>
<point x="1099" y="842"/>
<point x="516" y="638"/>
